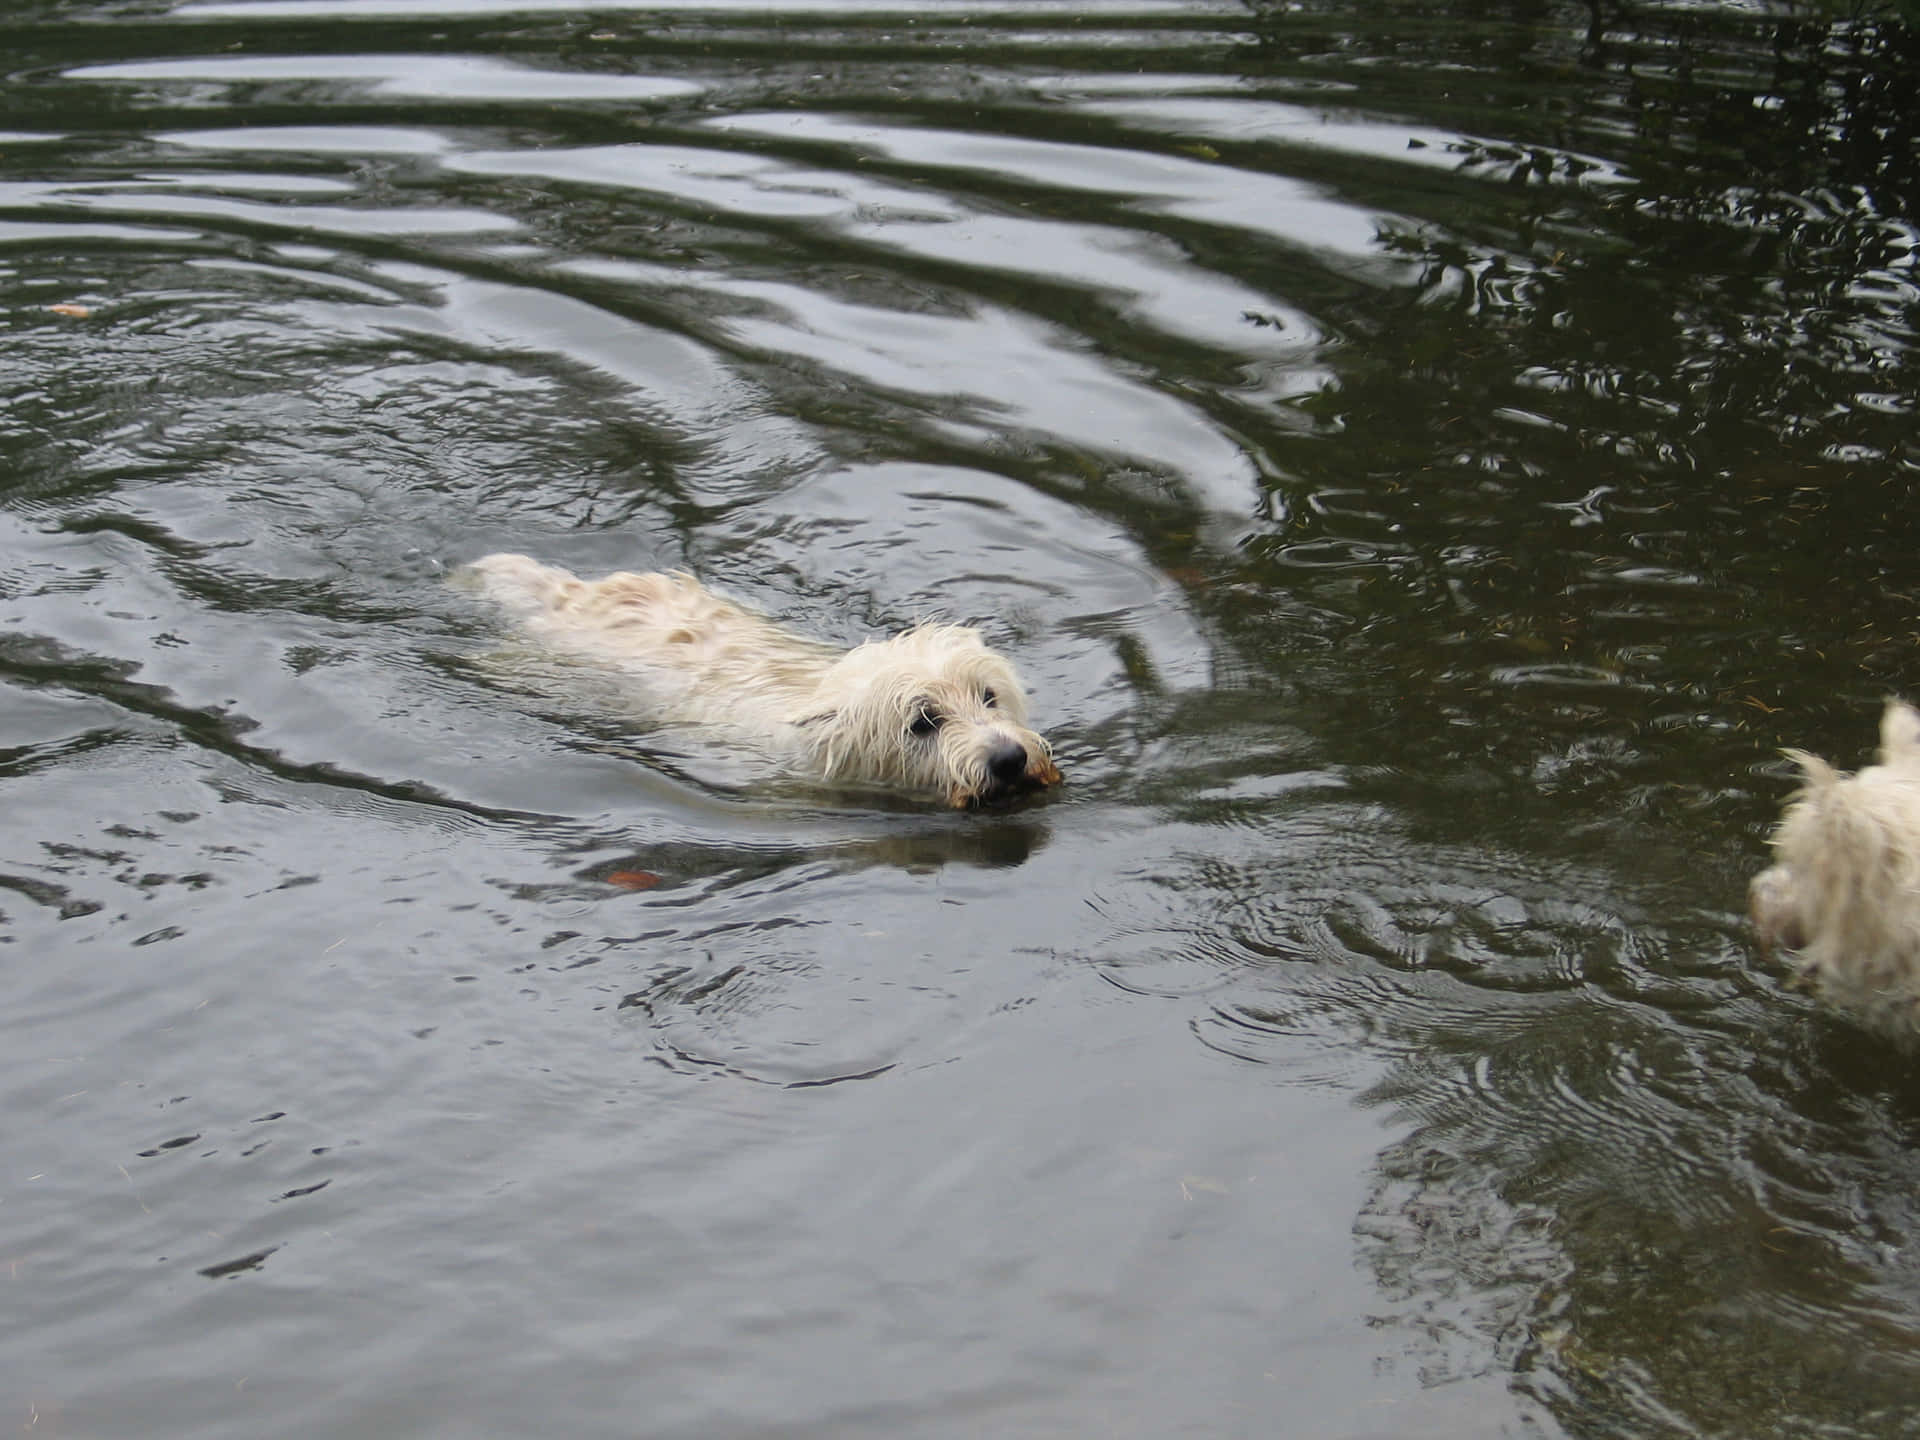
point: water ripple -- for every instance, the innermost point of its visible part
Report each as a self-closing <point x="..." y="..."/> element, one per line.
<point x="430" y="77"/>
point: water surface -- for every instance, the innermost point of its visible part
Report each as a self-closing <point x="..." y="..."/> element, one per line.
<point x="1426" y="461"/>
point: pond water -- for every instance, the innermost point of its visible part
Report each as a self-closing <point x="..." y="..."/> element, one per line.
<point x="1425" y="460"/>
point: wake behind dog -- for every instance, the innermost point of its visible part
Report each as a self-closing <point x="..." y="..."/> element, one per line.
<point x="932" y="711"/>
<point x="1844" y="891"/>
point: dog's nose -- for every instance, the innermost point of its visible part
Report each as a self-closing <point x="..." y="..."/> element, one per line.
<point x="1007" y="761"/>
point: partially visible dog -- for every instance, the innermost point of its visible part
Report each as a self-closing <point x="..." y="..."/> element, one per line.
<point x="1844" y="891"/>
<point x="931" y="711"/>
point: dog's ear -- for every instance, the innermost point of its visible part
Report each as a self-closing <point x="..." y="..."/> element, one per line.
<point x="1815" y="773"/>
<point x="816" y="717"/>
<point x="1899" y="734"/>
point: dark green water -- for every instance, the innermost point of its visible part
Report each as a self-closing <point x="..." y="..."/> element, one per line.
<point x="1426" y="462"/>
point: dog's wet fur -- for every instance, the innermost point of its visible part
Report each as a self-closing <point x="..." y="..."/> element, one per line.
<point x="1842" y="899"/>
<point x="932" y="711"/>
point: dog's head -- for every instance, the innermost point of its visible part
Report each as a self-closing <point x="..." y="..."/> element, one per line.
<point x="932" y="710"/>
<point x="1773" y="903"/>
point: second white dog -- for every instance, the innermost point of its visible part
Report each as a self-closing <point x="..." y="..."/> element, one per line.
<point x="1844" y="891"/>
<point x="932" y="710"/>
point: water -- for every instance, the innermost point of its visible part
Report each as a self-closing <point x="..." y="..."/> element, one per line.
<point x="1425" y="461"/>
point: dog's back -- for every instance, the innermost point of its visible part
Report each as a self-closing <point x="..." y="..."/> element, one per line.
<point x="706" y="659"/>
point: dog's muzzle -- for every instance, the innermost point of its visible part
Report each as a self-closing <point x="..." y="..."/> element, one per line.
<point x="1010" y="772"/>
<point x="1006" y="763"/>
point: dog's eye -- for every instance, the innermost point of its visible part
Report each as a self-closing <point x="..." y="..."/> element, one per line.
<point x="925" y="722"/>
<point x="989" y="699"/>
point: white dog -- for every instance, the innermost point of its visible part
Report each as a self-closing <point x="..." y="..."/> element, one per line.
<point x="1844" y="891"/>
<point x="929" y="711"/>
